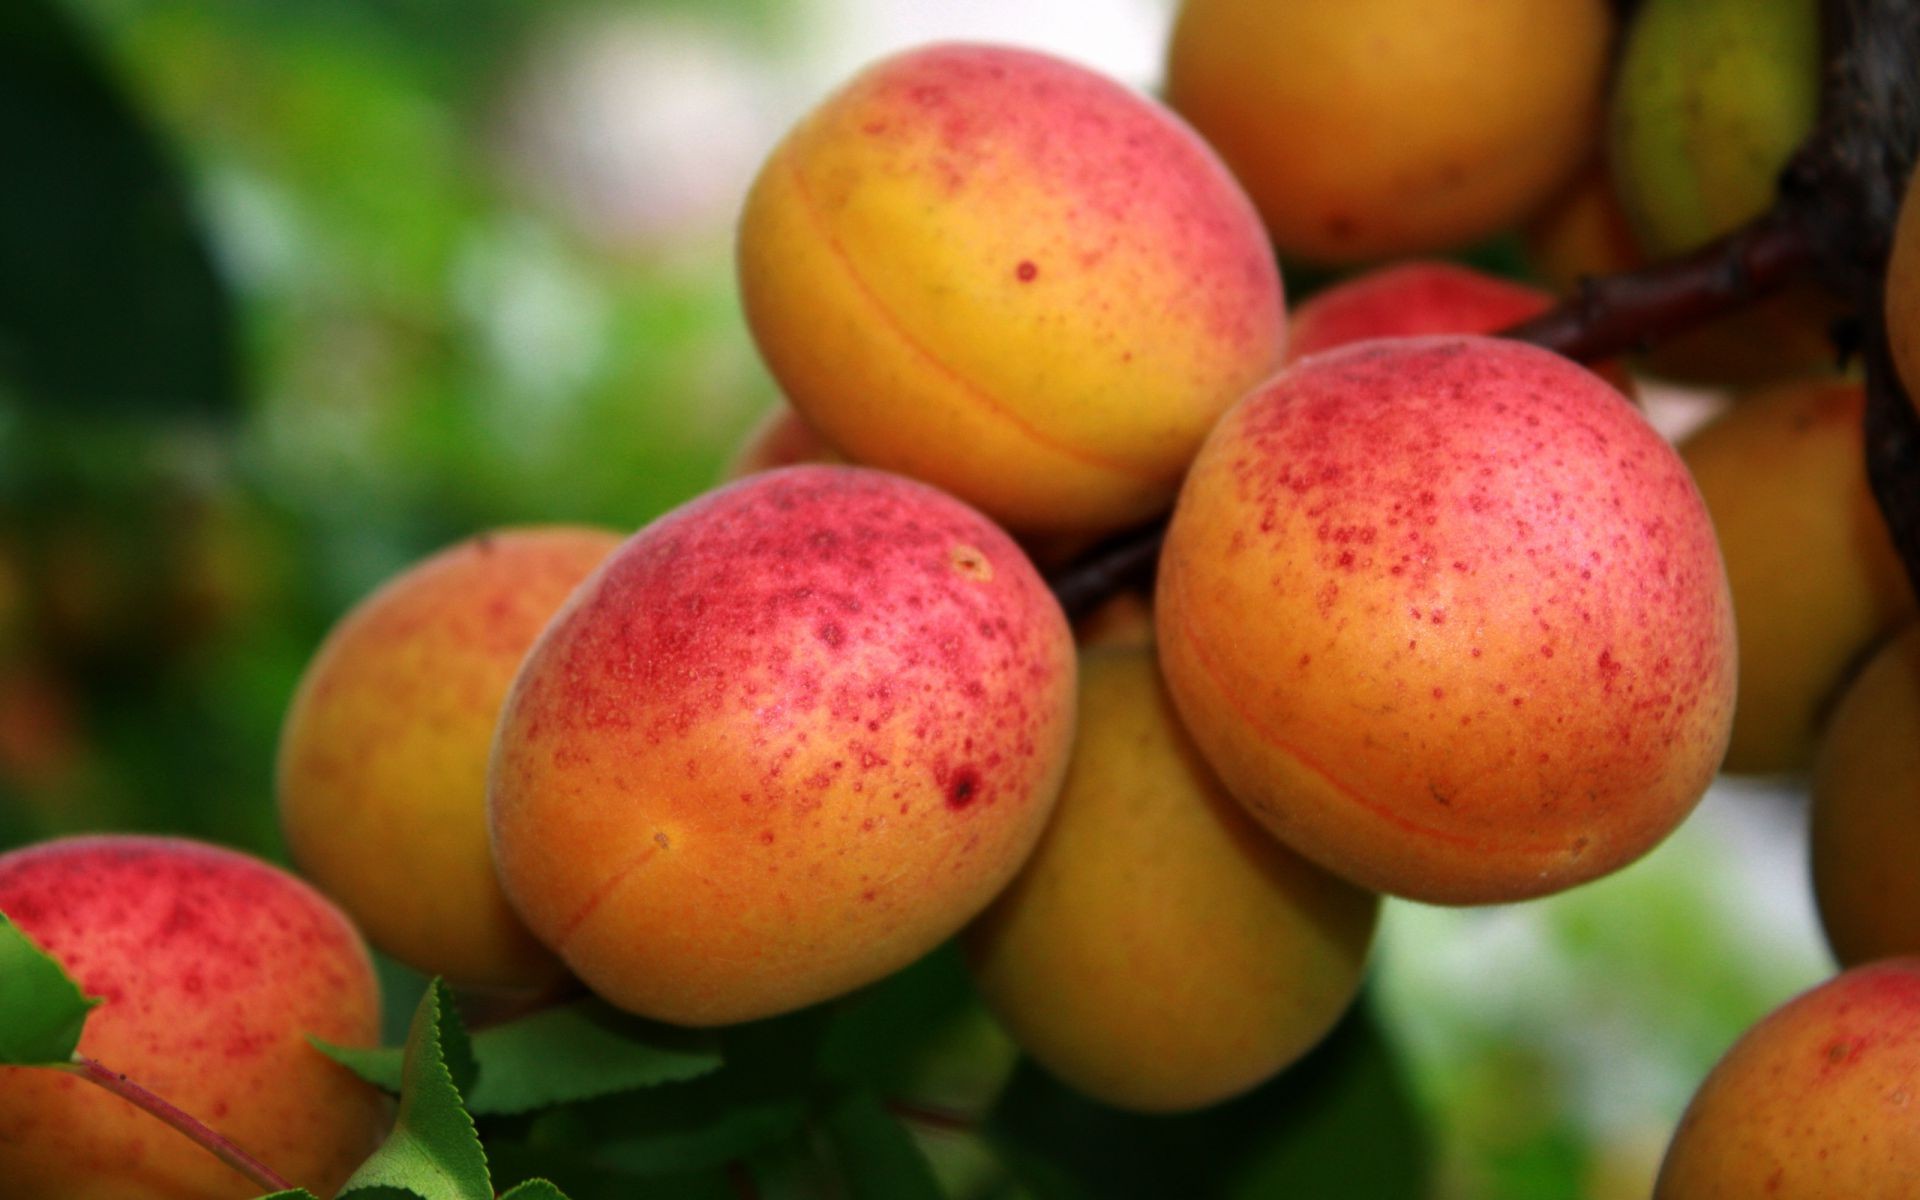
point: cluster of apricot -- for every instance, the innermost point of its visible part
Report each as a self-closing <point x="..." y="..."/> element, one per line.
<point x="1438" y="615"/>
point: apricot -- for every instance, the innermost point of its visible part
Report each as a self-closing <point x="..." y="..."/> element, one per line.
<point x="1866" y="811"/>
<point x="214" y="968"/>
<point x="1813" y="1102"/>
<point x="1448" y="617"/>
<point x="1160" y="951"/>
<point x="1814" y="575"/>
<point x="792" y="736"/>
<point x="1418" y="298"/>
<point x="1010" y="277"/>
<point x="1410" y="299"/>
<point x="383" y="756"/>
<point x="1375" y="128"/>
<point x="1903" y="290"/>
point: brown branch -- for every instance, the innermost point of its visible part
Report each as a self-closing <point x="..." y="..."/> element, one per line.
<point x="256" y="1171"/>
<point x="1124" y="560"/>
<point x="1615" y="314"/>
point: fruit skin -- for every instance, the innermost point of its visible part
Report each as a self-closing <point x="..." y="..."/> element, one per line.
<point x="1903" y="290"/>
<point x="1447" y="616"/>
<point x="215" y="967"/>
<point x="794" y="734"/>
<point x="384" y="753"/>
<point x="1814" y="576"/>
<point x="1366" y="129"/>
<point x="1010" y="277"/>
<point x="1160" y="952"/>
<point x="1814" y="1102"/>
<point x="1713" y="96"/>
<point x="1410" y="299"/>
<point x="1866" y="811"/>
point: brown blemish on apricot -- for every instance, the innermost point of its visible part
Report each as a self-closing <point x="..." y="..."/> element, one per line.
<point x="971" y="563"/>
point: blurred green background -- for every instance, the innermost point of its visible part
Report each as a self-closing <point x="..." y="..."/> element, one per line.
<point x="294" y="294"/>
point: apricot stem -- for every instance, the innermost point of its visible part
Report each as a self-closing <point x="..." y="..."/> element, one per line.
<point x="117" y="1083"/>
<point x="1613" y="314"/>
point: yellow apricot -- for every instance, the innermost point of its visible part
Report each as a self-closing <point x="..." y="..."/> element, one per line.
<point x="1012" y="278"/>
<point x="383" y="757"/>
<point x="1866" y="811"/>
<point x="1370" y="128"/>
<point x="1160" y="951"/>
<point x="1814" y="577"/>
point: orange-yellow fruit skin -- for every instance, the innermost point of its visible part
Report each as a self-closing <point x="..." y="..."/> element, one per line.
<point x="1447" y="616"/>
<point x="1814" y="576"/>
<point x="1866" y="811"/>
<point x="1903" y="290"/>
<point x="1012" y="278"/>
<point x="1365" y="129"/>
<point x="1813" y="1103"/>
<point x="1160" y="951"/>
<point x="215" y="969"/>
<point x="383" y="757"/>
<point x="792" y="736"/>
<point x="1580" y="232"/>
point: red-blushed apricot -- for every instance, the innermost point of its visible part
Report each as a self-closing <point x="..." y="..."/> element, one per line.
<point x="383" y="756"/>
<point x="1903" y="290"/>
<point x="1370" y="128"/>
<point x="780" y="438"/>
<point x="1814" y="575"/>
<point x="214" y="968"/>
<point x="1410" y="299"/>
<point x="1417" y="298"/>
<point x="1010" y="277"/>
<point x="1866" y="811"/>
<point x="793" y="735"/>
<point x="1160" y="951"/>
<point x="1813" y="1103"/>
<point x="1448" y="617"/>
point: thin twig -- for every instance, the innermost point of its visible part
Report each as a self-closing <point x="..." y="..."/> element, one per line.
<point x="113" y="1081"/>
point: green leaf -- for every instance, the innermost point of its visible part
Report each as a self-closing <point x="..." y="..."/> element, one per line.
<point x="42" y="1009"/>
<point x="1341" y="1122"/>
<point x="877" y="1156"/>
<point x="433" y="1152"/>
<point x="109" y="299"/>
<point x="290" y="1194"/>
<point x="534" y="1189"/>
<point x="560" y="1055"/>
<point x="761" y="1097"/>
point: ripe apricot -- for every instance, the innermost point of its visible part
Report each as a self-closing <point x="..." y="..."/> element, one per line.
<point x="215" y="968"/>
<point x="1160" y="951"/>
<point x="1814" y="1102"/>
<point x="1866" y="811"/>
<point x="383" y="756"/>
<point x="1409" y="299"/>
<point x="1010" y="277"/>
<point x="1448" y="617"/>
<point x="1365" y="129"/>
<point x="792" y="735"/>
<point x="1814" y="576"/>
